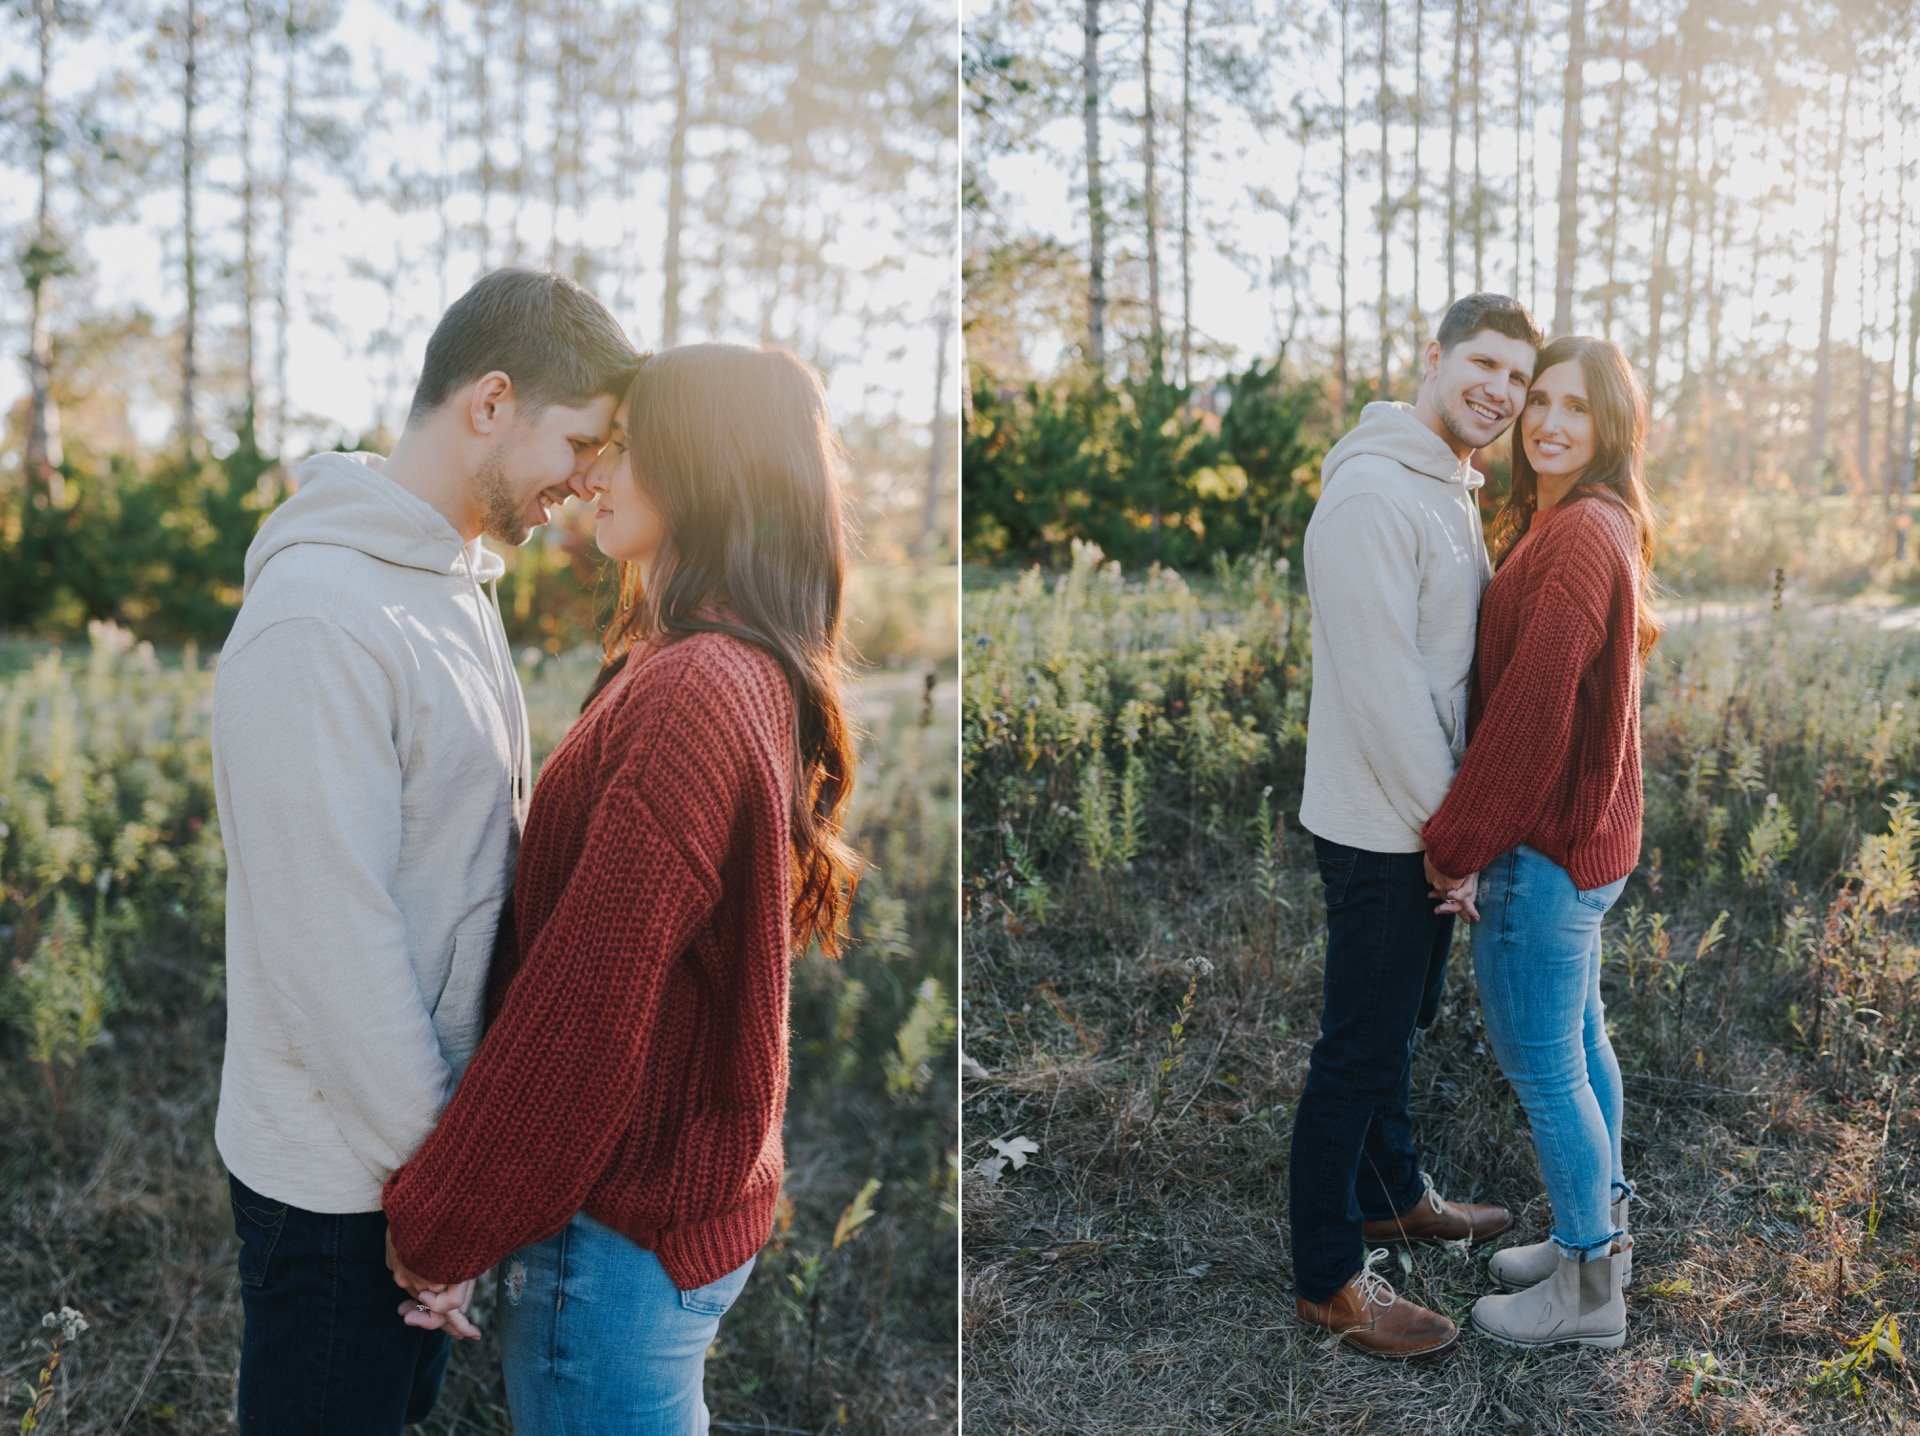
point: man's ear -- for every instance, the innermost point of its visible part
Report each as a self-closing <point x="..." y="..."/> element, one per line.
<point x="490" y="402"/>
<point x="1432" y="359"/>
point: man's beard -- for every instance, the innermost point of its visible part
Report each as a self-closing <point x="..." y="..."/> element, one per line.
<point x="502" y="513"/>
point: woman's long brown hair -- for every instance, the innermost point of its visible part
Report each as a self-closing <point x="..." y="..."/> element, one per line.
<point x="733" y="446"/>
<point x="1617" y="473"/>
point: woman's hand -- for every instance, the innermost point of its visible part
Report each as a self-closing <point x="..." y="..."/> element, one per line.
<point x="442" y="1311"/>
<point x="1457" y="894"/>
<point x="432" y="1305"/>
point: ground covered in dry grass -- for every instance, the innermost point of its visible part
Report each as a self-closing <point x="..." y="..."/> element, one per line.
<point x="113" y="1197"/>
<point x="1143" y="953"/>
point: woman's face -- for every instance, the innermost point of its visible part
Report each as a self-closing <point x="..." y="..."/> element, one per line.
<point x="626" y="524"/>
<point x="1557" y="425"/>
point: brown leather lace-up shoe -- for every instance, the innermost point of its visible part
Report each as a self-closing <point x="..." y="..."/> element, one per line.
<point x="1435" y="1219"/>
<point x="1367" y="1316"/>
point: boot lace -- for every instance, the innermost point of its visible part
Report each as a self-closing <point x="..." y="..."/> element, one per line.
<point x="1434" y="1199"/>
<point x="1373" y="1288"/>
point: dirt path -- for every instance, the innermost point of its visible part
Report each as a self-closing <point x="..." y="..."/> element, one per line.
<point x="1884" y="612"/>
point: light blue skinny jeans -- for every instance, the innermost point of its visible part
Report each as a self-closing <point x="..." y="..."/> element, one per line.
<point x="1536" y="959"/>
<point x="595" y="1339"/>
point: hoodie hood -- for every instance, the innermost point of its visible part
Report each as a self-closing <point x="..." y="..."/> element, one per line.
<point x="345" y="502"/>
<point x="1391" y="431"/>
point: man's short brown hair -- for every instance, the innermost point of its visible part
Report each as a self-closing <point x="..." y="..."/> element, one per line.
<point x="556" y="342"/>
<point x="1501" y="313"/>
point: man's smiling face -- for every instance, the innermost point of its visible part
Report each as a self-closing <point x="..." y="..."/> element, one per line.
<point x="1480" y="386"/>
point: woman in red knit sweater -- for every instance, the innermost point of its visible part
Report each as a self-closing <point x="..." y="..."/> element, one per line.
<point x="1545" y="810"/>
<point x="615" y="1144"/>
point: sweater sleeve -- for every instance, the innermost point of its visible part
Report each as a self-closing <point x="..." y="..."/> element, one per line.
<point x="546" y="1101"/>
<point x="1365" y="590"/>
<point x="304" y="732"/>
<point x="1517" y="754"/>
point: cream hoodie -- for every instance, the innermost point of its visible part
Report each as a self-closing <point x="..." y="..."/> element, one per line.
<point x="370" y="765"/>
<point x="1396" y="564"/>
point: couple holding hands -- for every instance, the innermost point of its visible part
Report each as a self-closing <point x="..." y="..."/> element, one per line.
<point x="621" y="933"/>
<point x="1474" y="750"/>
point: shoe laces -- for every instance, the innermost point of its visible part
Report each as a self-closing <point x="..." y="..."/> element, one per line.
<point x="1373" y="1288"/>
<point x="1434" y="1199"/>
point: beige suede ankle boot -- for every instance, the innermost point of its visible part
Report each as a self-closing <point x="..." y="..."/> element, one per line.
<point x="1579" y="1304"/>
<point x="1517" y="1268"/>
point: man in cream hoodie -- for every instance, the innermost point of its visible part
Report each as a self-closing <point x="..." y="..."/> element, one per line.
<point x="372" y="765"/>
<point x="1396" y="563"/>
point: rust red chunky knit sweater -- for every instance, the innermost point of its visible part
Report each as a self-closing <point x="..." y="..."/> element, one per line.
<point x="1553" y="757"/>
<point x="636" y="1062"/>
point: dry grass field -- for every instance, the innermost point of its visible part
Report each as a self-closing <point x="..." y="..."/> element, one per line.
<point x="1142" y="949"/>
<point x="112" y="1196"/>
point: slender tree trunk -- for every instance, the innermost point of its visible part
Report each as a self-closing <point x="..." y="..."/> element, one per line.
<point x="249" y="267"/>
<point x="43" y="455"/>
<point x="1294" y="267"/>
<point x="1529" y="108"/>
<point x="1186" y="192"/>
<point x="1894" y="325"/>
<point x="1479" y="194"/>
<point x="1689" y="286"/>
<point x="671" y="277"/>
<point x="522" y="84"/>
<point x="1096" y="200"/>
<point x="1613" y="188"/>
<point x="1906" y="423"/>
<point x="1747" y="428"/>
<point x="1419" y="174"/>
<point x="483" y="124"/>
<point x="1384" y="98"/>
<point x="1720" y="222"/>
<point x="562" y="17"/>
<point x="932" y="511"/>
<point x="627" y="98"/>
<point x="1520" y="118"/>
<point x="283" y="227"/>
<point x="1666" y="187"/>
<point x="1568" y="248"/>
<point x="1453" y="156"/>
<point x="1863" y="403"/>
<point x="189" y="361"/>
<point x="1150" y="197"/>
<point x="1346" y="392"/>
<point x="1829" y="276"/>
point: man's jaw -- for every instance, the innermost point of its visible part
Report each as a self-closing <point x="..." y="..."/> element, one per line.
<point x="1474" y="411"/>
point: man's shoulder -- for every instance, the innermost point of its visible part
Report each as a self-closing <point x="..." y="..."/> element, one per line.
<point x="319" y="597"/>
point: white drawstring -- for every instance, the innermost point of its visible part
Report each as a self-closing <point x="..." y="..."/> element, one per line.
<point x="512" y="707"/>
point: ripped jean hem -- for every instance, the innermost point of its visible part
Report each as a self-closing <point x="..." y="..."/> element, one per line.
<point x="1588" y="1251"/>
<point x="1621" y="1190"/>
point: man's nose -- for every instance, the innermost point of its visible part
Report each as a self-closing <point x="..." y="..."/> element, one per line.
<point x="580" y="483"/>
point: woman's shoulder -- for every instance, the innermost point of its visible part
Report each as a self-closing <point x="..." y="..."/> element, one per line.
<point x="1589" y="550"/>
<point x="1594" y="516"/>
<point x="710" y="676"/>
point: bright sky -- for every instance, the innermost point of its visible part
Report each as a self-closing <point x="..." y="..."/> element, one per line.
<point x="329" y="373"/>
<point x="1042" y="190"/>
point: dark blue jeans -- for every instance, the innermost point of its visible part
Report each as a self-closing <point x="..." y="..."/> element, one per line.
<point x="323" y="1350"/>
<point x="1353" y="1154"/>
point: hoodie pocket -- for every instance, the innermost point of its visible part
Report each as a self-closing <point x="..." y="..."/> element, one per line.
<point x="1447" y="710"/>
<point x="461" y="1007"/>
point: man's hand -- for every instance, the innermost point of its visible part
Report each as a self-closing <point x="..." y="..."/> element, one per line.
<point x="1456" y="894"/>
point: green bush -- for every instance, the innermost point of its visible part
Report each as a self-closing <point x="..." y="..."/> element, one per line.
<point x="1145" y="468"/>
